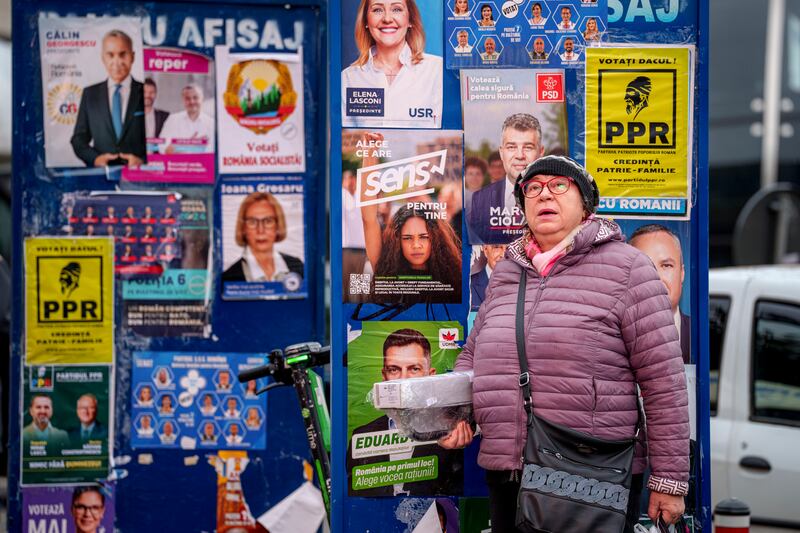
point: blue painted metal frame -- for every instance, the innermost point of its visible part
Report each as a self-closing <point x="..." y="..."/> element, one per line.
<point x="170" y="496"/>
<point x="664" y="21"/>
<point x="700" y="276"/>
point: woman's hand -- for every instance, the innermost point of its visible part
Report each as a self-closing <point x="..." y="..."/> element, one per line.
<point x="460" y="437"/>
<point x="668" y="506"/>
<point x="369" y="137"/>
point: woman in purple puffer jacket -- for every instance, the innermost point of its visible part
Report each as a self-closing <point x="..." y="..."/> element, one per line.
<point x="598" y="322"/>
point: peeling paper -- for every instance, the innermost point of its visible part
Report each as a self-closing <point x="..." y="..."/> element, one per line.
<point x="145" y="459"/>
<point x="121" y="460"/>
<point x="429" y="523"/>
<point x="117" y="474"/>
<point x="188" y="443"/>
<point x="192" y="460"/>
<point x="410" y="511"/>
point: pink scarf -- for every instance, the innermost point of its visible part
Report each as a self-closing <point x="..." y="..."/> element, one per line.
<point x="543" y="261"/>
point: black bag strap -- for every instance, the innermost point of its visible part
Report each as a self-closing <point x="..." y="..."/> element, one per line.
<point x="524" y="375"/>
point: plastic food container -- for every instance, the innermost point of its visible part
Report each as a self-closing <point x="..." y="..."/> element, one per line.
<point x="426" y="408"/>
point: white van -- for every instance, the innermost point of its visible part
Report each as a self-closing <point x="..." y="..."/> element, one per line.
<point x="754" y="339"/>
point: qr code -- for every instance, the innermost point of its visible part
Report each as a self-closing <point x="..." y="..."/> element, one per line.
<point x="359" y="283"/>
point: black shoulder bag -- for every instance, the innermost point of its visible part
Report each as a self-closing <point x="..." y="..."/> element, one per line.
<point x="571" y="481"/>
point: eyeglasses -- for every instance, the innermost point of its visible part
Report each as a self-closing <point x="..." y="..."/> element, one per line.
<point x="266" y="222"/>
<point x="558" y="185"/>
<point x="93" y="509"/>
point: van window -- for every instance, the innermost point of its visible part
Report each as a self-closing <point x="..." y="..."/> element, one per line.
<point x="718" y="319"/>
<point x="776" y="363"/>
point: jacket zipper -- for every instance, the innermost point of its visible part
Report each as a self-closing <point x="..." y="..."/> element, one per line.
<point x="561" y="457"/>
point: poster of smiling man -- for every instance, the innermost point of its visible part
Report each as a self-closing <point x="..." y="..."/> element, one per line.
<point x="401" y="216"/>
<point x="179" y="111"/>
<point x="92" y="86"/>
<point x="511" y="118"/>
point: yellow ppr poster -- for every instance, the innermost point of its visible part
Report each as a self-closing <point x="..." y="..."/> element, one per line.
<point x="69" y="300"/>
<point x="639" y="129"/>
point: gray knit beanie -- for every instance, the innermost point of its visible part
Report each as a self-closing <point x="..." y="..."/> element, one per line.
<point x="556" y="165"/>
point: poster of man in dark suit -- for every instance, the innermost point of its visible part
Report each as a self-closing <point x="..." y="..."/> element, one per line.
<point x="493" y="217"/>
<point x="110" y="126"/>
<point x="90" y="429"/>
<point x="663" y="247"/>
<point x="154" y="118"/>
<point x="479" y="278"/>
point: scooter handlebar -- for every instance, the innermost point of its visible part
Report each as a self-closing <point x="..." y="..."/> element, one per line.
<point x="255" y="373"/>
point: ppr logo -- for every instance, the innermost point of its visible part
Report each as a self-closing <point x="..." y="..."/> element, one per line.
<point x="637" y="108"/>
<point x="69" y="289"/>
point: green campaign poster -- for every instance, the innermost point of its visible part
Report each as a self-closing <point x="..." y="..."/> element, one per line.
<point x="66" y="424"/>
<point x="380" y="461"/>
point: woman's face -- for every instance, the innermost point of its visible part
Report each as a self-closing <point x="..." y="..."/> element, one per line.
<point x="591" y="25"/>
<point x="551" y="217"/>
<point x="388" y="22"/>
<point x="537" y="11"/>
<point x="145" y="394"/>
<point x="473" y="178"/>
<point x="260" y="226"/>
<point x="486" y="13"/>
<point x="461" y="6"/>
<point x="416" y="243"/>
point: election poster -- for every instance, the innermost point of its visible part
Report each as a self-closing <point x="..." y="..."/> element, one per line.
<point x="260" y="112"/>
<point x="92" y="89"/>
<point x="67" y="432"/>
<point x="483" y="259"/>
<point x="667" y="244"/>
<point x="380" y="89"/>
<point x="263" y="240"/>
<point x="233" y="512"/>
<point x="51" y="509"/>
<point x="638" y="129"/>
<point x="193" y="400"/>
<point x="511" y="118"/>
<point x="179" y="111"/>
<point x="145" y="228"/>
<point x="377" y="452"/>
<point x="162" y="246"/>
<point x="522" y="33"/>
<point x="69" y="300"/>
<point x="403" y="201"/>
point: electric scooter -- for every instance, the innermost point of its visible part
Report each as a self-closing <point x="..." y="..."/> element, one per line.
<point x="293" y="366"/>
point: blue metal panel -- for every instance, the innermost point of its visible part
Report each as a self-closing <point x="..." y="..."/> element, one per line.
<point x="700" y="275"/>
<point x="633" y="21"/>
<point x="169" y="496"/>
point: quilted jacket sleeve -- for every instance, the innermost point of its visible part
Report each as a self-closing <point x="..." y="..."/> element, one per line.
<point x="464" y="361"/>
<point x="651" y="337"/>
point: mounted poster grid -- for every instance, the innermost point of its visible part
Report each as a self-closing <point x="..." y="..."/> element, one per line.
<point x="140" y="128"/>
<point x="585" y="72"/>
